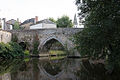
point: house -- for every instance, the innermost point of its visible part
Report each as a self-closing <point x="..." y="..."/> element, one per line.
<point x="26" y="24"/>
<point x="10" y="24"/>
<point x="46" y="23"/>
<point x="7" y="25"/>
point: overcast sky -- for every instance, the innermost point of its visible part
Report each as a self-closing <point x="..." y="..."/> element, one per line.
<point x="26" y="9"/>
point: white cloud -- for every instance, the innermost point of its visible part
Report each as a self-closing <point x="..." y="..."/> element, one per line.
<point x="25" y="9"/>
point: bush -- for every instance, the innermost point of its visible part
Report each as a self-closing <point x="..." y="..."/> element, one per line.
<point x="26" y="52"/>
<point x="10" y="50"/>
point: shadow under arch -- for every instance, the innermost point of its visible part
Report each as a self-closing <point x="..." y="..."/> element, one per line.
<point x="23" y="45"/>
<point x="42" y="44"/>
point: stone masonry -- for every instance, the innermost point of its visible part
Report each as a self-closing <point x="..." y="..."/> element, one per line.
<point x="63" y="35"/>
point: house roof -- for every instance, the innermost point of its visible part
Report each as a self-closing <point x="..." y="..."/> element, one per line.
<point x="32" y="20"/>
<point x="47" y="21"/>
<point x="12" y="21"/>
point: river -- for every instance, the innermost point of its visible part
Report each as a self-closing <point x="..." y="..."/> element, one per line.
<point x="53" y="68"/>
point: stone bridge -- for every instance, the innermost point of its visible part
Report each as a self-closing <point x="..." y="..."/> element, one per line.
<point x="62" y="35"/>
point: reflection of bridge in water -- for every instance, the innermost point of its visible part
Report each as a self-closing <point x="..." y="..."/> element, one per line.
<point x="37" y="71"/>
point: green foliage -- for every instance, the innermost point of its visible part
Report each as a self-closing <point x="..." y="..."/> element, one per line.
<point x="35" y="45"/>
<point x="10" y="50"/>
<point x="16" y="26"/>
<point x="14" y="38"/>
<point x="57" y="52"/>
<point x="35" y="48"/>
<point x="64" y="22"/>
<point x="52" y="19"/>
<point x="26" y="52"/>
<point x="101" y="35"/>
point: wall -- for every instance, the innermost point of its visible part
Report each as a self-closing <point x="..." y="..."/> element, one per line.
<point x="26" y="26"/>
<point x="43" y="25"/>
<point x="63" y="35"/>
<point x="5" y="36"/>
<point x="36" y="26"/>
<point x="49" y="25"/>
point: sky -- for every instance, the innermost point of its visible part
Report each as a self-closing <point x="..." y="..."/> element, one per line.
<point x="26" y="9"/>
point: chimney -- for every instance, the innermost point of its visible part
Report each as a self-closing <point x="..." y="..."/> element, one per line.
<point x="17" y="19"/>
<point x="36" y="19"/>
<point x="4" y="24"/>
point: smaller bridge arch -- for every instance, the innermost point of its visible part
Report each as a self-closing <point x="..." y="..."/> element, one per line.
<point x="23" y="45"/>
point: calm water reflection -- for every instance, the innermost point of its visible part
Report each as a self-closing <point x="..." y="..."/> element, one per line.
<point x="47" y="69"/>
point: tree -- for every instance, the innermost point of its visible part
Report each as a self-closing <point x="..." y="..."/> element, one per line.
<point x="10" y="50"/>
<point x="101" y="36"/>
<point x="52" y="19"/>
<point x="64" y="22"/>
<point x="16" y="25"/>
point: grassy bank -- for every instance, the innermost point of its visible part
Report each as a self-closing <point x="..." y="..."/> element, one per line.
<point x="57" y="52"/>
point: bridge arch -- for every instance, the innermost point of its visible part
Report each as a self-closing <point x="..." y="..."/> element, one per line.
<point x="43" y="42"/>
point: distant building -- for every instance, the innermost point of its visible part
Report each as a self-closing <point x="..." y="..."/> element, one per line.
<point x="75" y="22"/>
<point x="7" y="25"/>
<point x="26" y="24"/>
<point x="10" y="24"/>
<point x="46" y="23"/>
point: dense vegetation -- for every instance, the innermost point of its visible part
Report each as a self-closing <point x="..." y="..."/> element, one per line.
<point x="100" y="39"/>
<point x="62" y="22"/>
<point x="10" y="50"/>
<point x="16" y="26"/>
<point x="35" y="45"/>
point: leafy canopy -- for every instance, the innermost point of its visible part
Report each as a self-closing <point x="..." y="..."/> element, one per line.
<point x="52" y="19"/>
<point x="101" y="36"/>
<point x="64" y="22"/>
<point x="10" y="50"/>
<point x="16" y="25"/>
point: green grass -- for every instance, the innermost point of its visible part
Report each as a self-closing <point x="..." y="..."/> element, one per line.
<point x="26" y="52"/>
<point x="57" y="52"/>
<point x="26" y="59"/>
<point x="57" y="58"/>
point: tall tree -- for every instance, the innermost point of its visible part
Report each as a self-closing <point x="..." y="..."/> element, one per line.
<point x="16" y="25"/>
<point x="52" y="19"/>
<point x="101" y="36"/>
<point x="64" y="22"/>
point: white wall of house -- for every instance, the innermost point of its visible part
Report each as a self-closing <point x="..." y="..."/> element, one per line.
<point x="2" y="24"/>
<point x="37" y="26"/>
<point x="11" y="27"/>
<point x="43" y="25"/>
<point x="49" y="25"/>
